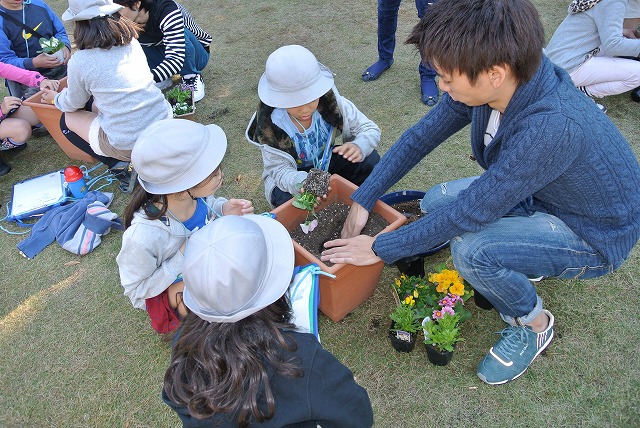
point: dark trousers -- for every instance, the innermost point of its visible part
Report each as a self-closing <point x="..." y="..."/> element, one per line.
<point x="354" y="172"/>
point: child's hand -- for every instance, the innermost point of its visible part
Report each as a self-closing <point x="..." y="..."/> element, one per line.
<point x="350" y="152"/>
<point x="50" y="84"/>
<point x="9" y="103"/>
<point x="237" y="207"/>
<point x="66" y="53"/>
<point x="46" y="61"/>
<point x="47" y="96"/>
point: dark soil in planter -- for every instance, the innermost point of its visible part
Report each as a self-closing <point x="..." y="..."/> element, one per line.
<point x="410" y="209"/>
<point x="330" y="222"/>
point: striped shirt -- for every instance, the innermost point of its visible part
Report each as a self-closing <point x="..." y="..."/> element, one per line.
<point x="165" y="27"/>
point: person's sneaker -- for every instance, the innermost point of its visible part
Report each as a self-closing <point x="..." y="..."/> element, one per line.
<point x="602" y="108"/>
<point x="7" y="144"/>
<point x="4" y="168"/>
<point x="429" y="91"/>
<point x="126" y="175"/>
<point x="513" y="353"/>
<point x="39" y="130"/>
<point x="635" y="94"/>
<point x="196" y="82"/>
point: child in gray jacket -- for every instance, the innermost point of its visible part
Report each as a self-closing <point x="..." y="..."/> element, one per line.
<point x="298" y="119"/>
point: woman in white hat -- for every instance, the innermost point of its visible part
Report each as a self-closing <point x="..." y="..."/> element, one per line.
<point x="178" y="165"/>
<point x="298" y="119"/>
<point x="237" y="361"/>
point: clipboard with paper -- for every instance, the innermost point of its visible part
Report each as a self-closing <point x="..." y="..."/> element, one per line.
<point x="37" y="195"/>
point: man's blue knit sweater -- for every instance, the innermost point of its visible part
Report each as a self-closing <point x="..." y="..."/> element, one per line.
<point x="553" y="144"/>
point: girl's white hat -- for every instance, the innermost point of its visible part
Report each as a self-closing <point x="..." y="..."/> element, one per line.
<point x="173" y="155"/>
<point x="293" y="77"/>
<point x="235" y="266"/>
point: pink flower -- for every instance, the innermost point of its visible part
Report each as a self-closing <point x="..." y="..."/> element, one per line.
<point x="447" y="310"/>
<point x="437" y="314"/>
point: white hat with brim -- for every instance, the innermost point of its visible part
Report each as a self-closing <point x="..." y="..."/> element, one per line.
<point x="174" y="155"/>
<point x="293" y="77"/>
<point x="235" y="266"/>
<point x="83" y="10"/>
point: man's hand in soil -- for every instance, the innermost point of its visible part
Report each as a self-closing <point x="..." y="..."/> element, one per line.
<point x="237" y="207"/>
<point x="355" y="222"/>
<point x="356" y="251"/>
<point x="350" y="152"/>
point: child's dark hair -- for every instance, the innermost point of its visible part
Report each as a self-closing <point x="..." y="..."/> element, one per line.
<point x="144" y="4"/>
<point x="220" y="367"/>
<point x="471" y="36"/>
<point x="105" y="32"/>
<point x="155" y="206"/>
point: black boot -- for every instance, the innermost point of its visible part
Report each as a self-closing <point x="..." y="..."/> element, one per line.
<point x="635" y="94"/>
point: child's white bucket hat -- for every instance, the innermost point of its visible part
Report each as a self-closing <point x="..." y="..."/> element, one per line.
<point x="83" y="10"/>
<point x="235" y="266"/>
<point x="173" y="155"/>
<point x="293" y="77"/>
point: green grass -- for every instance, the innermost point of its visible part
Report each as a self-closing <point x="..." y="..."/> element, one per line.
<point x="74" y="353"/>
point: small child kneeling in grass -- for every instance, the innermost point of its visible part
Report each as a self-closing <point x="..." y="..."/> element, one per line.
<point x="175" y="199"/>
<point x="298" y="119"/>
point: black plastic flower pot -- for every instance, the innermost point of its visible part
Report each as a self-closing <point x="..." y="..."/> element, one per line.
<point x="399" y="342"/>
<point x="481" y="301"/>
<point x="438" y="358"/>
<point x="413" y="265"/>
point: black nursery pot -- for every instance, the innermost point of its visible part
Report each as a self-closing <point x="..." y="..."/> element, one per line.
<point x="399" y="344"/>
<point x="414" y="265"/>
<point x="436" y="357"/>
<point x="411" y="266"/>
<point x="481" y="301"/>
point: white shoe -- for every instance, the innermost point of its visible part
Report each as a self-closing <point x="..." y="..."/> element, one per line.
<point x="196" y="82"/>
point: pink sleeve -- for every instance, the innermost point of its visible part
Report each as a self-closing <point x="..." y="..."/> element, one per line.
<point x="26" y="77"/>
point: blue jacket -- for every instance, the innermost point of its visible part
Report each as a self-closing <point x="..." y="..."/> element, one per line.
<point x="552" y="144"/>
<point x="17" y="47"/>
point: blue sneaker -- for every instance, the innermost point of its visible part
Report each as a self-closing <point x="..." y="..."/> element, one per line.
<point x="513" y="353"/>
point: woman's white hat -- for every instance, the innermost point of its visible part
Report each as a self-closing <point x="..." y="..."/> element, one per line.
<point x="293" y="77"/>
<point x="173" y="155"/>
<point x="83" y="10"/>
<point x="235" y="266"/>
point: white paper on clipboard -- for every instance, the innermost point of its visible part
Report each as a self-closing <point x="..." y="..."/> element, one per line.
<point x="37" y="195"/>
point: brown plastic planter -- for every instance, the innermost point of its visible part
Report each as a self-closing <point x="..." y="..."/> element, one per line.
<point x="49" y="115"/>
<point x="352" y="284"/>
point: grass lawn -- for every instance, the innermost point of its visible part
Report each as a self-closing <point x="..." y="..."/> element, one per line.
<point x="74" y="353"/>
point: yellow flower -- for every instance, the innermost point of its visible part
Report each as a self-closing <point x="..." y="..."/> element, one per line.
<point x="457" y="288"/>
<point x="442" y="287"/>
<point x="409" y="301"/>
<point x="397" y="282"/>
<point x="415" y="293"/>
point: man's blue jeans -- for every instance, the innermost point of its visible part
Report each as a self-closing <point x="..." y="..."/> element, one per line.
<point x="499" y="259"/>
<point x="196" y="56"/>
